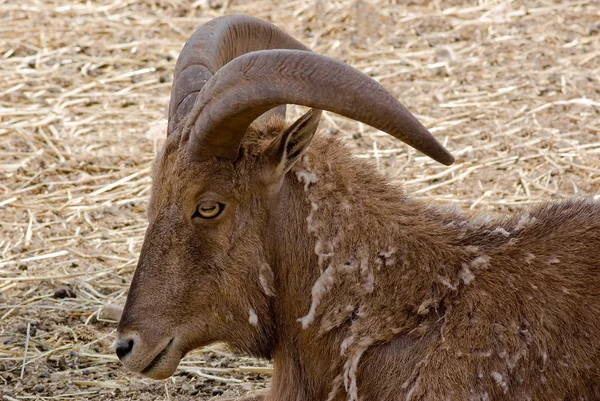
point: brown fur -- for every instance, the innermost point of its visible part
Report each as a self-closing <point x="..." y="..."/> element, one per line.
<point x="412" y="301"/>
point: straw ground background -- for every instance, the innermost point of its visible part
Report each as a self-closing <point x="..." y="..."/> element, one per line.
<point x="511" y="87"/>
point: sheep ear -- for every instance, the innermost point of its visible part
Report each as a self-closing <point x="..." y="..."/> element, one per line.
<point x="287" y="148"/>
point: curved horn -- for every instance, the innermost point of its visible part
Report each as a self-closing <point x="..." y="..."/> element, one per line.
<point x="212" y="46"/>
<point x="255" y="82"/>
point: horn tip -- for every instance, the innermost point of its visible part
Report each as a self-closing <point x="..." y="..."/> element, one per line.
<point x="445" y="158"/>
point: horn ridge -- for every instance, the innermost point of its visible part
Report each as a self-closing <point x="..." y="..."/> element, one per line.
<point x="214" y="45"/>
<point x="255" y="82"/>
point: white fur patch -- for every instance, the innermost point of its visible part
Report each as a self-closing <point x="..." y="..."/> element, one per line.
<point x="425" y="306"/>
<point x="367" y="275"/>
<point x="500" y="230"/>
<point x="319" y="289"/>
<point x="348" y="341"/>
<point x="253" y="319"/>
<point x="321" y="252"/>
<point x="524" y="221"/>
<point x="351" y="368"/>
<point x="307" y="177"/>
<point x="465" y="274"/>
<point x="266" y="278"/>
<point x="312" y="225"/>
<point x="480" y="262"/>
<point x="443" y="280"/>
<point x="500" y="381"/>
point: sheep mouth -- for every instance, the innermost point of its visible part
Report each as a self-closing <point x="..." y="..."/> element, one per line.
<point x="157" y="359"/>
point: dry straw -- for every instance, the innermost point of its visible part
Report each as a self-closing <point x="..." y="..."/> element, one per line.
<point x="511" y="87"/>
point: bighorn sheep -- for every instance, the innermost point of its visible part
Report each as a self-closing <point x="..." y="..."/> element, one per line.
<point x="307" y="256"/>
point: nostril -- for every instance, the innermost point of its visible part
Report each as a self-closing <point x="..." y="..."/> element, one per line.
<point x="123" y="348"/>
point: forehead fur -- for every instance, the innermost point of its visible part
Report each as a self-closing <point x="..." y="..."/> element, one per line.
<point x="174" y="169"/>
<point x="257" y="138"/>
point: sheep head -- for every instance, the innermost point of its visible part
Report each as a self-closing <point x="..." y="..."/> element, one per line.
<point x="227" y="153"/>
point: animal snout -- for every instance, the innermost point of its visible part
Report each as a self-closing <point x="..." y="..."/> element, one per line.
<point x="131" y="349"/>
<point x="151" y="353"/>
<point x="124" y="347"/>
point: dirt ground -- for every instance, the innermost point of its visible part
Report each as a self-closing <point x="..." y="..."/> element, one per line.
<point x="511" y="87"/>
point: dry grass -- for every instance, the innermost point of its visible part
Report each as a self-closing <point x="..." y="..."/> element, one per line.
<point x="512" y="88"/>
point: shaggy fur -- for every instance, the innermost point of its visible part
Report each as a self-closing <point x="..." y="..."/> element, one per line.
<point x="357" y="291"/>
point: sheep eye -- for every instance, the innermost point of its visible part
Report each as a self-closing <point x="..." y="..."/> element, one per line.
<point x="209" y="210"/>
